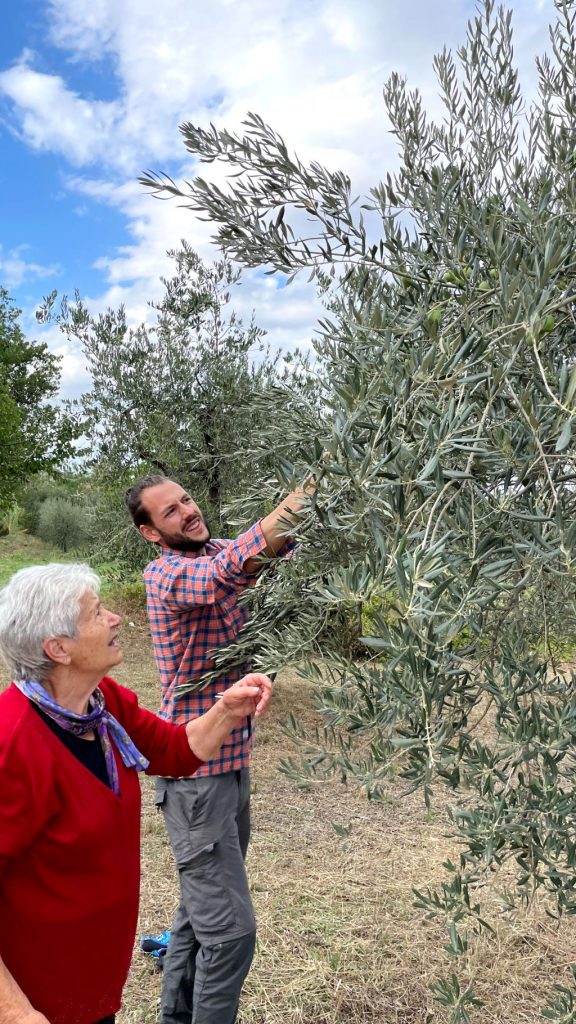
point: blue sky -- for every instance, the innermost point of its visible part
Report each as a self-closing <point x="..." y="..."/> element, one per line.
<point x="91" y="94"/>
<point x="48" y="238"/>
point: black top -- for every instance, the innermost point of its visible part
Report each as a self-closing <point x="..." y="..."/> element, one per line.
<point x="88" y="752"/>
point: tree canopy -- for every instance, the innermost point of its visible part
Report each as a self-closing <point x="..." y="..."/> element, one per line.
<point x="445" y="512"/>
<point x="35" y="434"/>
<point x="177" y="395"/>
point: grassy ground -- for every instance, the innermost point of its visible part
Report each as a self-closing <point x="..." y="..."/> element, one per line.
<point x="339" y="940"/>
<point x="19" y="550"/>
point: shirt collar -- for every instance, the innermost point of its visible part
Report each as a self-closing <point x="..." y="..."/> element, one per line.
<point x="206" y="550"/>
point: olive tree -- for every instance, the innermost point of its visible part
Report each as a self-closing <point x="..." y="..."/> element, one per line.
<point x="177" y="395"/>
<point x="445" y="508"/>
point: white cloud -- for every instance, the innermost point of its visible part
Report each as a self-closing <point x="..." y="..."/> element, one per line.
<point x="74" y="375"/>
<point x="132" y="273"/>
<point x="52" y="117"/>
<point x="313" y="68"/>
<point x="15" y="270"/>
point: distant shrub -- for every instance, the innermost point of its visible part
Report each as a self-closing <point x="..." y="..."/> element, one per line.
<point x="33" y="497"/>
<point x="130" y="593"/>
<point x="62" y="523"/>
<point x="120" y="587"/>
<point x="113" y="540"/>
<point x="11" y="520"/>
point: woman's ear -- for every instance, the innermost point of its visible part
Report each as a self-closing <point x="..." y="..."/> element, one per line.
<point x="57" y="648"/>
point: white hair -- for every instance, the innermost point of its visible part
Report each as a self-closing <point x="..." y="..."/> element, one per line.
<point x="37" y="603"/>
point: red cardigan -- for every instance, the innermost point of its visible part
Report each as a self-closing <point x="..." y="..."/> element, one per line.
<point x="70" y="857"/>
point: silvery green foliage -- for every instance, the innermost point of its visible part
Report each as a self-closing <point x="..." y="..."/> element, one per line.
<point x="173" y="395"/>
<point x="63" y="523"/>
<point x="446" y="503"/>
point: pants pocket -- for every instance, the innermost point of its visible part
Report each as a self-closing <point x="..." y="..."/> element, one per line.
<point x="206" y="893"/>
<point x="160" y="792"/>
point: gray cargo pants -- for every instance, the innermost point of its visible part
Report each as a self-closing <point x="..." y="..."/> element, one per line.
<point x="214" y="931"/>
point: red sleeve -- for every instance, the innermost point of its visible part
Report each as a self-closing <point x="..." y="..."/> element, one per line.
<point x="164" y="744"/>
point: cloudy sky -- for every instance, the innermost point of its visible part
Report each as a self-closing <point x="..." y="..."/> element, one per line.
<point x="92" y="93"/>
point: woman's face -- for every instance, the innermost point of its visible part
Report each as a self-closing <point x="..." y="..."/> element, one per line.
<point x="95" y="648"/>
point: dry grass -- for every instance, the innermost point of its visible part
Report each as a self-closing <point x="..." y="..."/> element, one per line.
<point x="339" y="939"/>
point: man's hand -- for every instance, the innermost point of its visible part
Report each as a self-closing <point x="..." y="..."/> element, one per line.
<point x="249" y="696"/>
<point x="308" y="486"/>
<point x="275" y="525"/>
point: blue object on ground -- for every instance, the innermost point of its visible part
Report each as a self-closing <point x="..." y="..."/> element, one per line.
<point x="156" y="944"/>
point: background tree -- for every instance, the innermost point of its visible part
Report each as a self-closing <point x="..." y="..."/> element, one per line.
<point x="447" y="502"/>
<point x="35" y="435"/>
<point x="176" y="396"/>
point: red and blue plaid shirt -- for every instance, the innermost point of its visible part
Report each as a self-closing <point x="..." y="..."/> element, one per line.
<point x="192" y="602"/>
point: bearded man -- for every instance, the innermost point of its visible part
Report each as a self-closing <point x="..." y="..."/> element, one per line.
<point x="192" y="591"/>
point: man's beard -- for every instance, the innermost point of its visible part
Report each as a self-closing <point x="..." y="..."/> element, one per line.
<point x="184" y="543"/>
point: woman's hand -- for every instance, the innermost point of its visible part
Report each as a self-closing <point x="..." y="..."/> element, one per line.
<point x="14" y="1005"/>
<point x="249" y="696"/>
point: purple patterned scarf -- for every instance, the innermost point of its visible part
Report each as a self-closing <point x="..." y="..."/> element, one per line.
<point x="98" y="719"/>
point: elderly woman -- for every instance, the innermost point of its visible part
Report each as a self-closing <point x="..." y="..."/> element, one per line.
<point x="71" y="743"/>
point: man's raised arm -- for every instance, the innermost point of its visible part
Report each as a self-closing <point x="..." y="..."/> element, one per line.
<point x="275" y="525"/>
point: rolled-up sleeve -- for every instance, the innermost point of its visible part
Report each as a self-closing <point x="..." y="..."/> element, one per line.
<point x="180" y="583"/>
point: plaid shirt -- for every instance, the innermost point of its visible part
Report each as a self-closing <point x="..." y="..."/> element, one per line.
<point x="192" y="602"/>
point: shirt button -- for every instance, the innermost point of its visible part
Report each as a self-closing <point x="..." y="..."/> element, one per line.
<point x="245" y="734"/>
